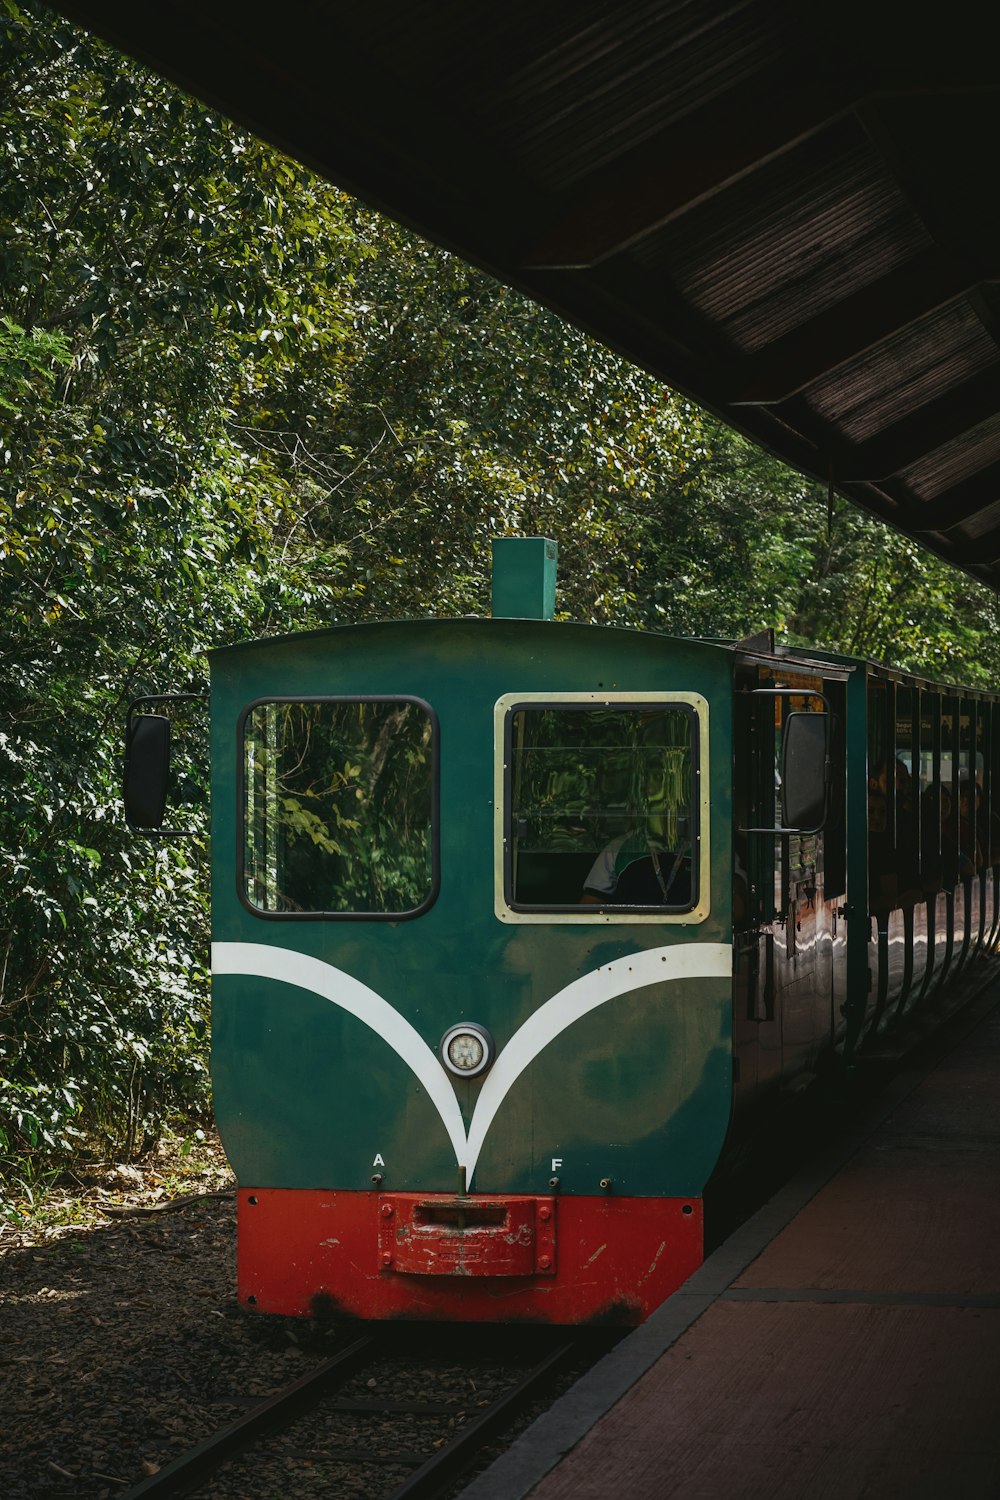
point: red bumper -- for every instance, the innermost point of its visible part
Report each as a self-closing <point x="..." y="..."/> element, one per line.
<point x="479" y="1258"/>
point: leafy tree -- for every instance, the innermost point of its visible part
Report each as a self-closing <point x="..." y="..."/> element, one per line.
<point x="235" y="402"/>
<point x="147" y="268"/>
<point x="748" y="544"/>
<point x="460" y="411"/>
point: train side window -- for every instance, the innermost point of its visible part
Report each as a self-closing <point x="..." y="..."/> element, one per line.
<point x="602" y="807"/>
<point x="338" y="798"/>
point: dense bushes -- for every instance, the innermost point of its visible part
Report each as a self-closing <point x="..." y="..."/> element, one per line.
<point x="234" y="402"/>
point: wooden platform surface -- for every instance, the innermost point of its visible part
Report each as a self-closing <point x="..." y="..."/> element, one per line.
<point x="845" y="1343"/>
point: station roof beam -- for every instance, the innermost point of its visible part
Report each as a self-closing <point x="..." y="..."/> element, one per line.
<point x="785" y="211"/>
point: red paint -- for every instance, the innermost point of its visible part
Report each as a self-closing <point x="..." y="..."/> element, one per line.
<point x="305" y="1251"/>
<point x="423" y="1235"/>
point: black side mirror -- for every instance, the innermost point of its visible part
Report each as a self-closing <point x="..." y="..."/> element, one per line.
<point x="805" y="771"/>
<point x="147" y="770"/>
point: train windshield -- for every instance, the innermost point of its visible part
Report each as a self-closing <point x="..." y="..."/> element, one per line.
<point x="338" y="802"/>
<point x="602" y="807"/>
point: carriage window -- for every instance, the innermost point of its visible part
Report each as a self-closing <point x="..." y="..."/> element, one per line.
<point x="338" y="801"/>
<point x="601" y="807"/>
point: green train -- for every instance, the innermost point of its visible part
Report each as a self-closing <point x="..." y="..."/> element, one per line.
<point x="514" y="920"/>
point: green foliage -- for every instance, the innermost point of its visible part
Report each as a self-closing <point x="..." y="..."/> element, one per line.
<point x="234" y="402"/>
<point x="459" y="411"/>
<point x="146" y="267"/>
<point x="747" y="544"/>
<point x="28" y="363"/>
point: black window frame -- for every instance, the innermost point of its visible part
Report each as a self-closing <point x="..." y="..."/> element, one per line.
<point x="241" y="803"/>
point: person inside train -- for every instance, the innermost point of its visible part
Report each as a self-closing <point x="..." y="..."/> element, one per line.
<point x="970" y="854"/>
<point x="951" y="859"/>
<point x="639" y="868"/>
<point x="631" y="871"/>
<point x="882" y="882"/>
<point x="893" y="863"/>
<point x="935" y="805"/>
<point x="907" y="863"/>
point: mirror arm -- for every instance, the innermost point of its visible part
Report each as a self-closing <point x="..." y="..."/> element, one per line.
<point x="164" y="698"/>
<point x="789" y="692"/>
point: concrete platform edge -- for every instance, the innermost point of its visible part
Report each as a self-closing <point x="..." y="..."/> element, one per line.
<point x="537" y="1451"/>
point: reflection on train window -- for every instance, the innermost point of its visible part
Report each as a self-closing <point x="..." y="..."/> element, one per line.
<point x="601" y="808"/>
<point x="338" y="806"/>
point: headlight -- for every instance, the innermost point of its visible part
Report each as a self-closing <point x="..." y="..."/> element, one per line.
<point x="467" y="1050"/>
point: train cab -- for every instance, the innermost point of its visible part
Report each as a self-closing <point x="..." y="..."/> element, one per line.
<point x="512" y="921"/>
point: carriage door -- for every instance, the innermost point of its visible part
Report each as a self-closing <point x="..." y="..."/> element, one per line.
<point x="834" y="838"/>
<point x="810" y="895"/>
<point x="791" y="948"/>
<point x="756" y="1017"/>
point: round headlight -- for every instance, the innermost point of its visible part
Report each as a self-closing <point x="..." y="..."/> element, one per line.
<point x="467" y="1050"/>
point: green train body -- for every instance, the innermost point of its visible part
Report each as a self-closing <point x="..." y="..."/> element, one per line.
<point x="457" y="1076"/>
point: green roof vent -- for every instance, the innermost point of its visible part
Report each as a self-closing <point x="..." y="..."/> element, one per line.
<point x="524" y="578"/>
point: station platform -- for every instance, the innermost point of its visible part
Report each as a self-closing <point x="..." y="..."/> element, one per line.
<point x="844" y="1342"/>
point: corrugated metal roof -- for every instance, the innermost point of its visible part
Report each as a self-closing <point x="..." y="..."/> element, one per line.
<point x="634" y="71"/>
<point x="786" y="211"/>
<point x="953" y="462"/>
<point x="793" y="239"/>
<point x="904" y="372"/>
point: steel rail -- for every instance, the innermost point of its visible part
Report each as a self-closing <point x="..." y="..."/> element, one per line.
<point x="431" y="1474"/>
<point x="460" y="1452"/>
<point x="277" y="1411"/>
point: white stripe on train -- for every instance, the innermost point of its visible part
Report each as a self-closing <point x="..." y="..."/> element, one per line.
<point x="621" y="977"/>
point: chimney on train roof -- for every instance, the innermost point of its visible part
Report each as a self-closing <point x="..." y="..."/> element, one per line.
<point x="524" y="578"/>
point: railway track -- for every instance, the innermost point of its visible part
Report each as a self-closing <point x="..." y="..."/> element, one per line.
<point x="403" y="1411"/>
<point x="396" y="1414"/>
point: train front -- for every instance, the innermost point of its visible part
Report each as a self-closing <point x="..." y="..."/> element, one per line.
<point x="472" y="966"/>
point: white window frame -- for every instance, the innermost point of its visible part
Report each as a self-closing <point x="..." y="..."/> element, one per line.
<point x="597" y="918"/>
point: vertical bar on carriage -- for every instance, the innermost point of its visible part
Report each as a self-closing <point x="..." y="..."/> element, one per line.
<point x="906" y="866"/>
<point x="856" y="903"/>
<point x="991" y="800"/>
<point x="975" y="805"/>
<point x="930" y="839"/>
<point x="966" y="855"/>
<point x="949" y="835"/>
<point x="886" y="895"/>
